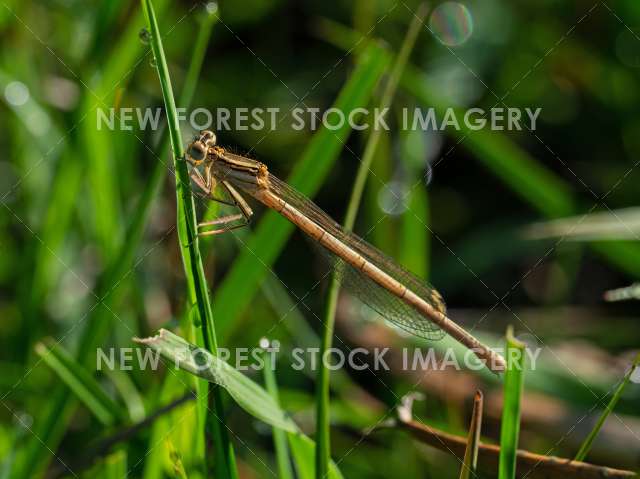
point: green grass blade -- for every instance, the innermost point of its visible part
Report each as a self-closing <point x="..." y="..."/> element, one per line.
<point x="197" y="59"/>
<point x="83" y="384"/>
<point x="129" y="393"/>
<point x="510" y="424"/>
<point x="470" y="461"/>
<point x="176" y="461"/>
<point x="303" y="451"/>
<point x="61" y="205"/>
<point x="114" y="466"/>
<point x="323" y="451"/>
<point x="249" y="395"/>
<point x="194" y="269"/>
<point x="382" y="169"/>
<point x="385" y="103"/>
<point x="152" y="187"/>
<point x="415" y="237"/>
<point x="271" y="234"/>
<point x="172" y="387"/>
<point x="98" y="144"/>
<point x="588" y="442"/>
<point x="279" y="438"/>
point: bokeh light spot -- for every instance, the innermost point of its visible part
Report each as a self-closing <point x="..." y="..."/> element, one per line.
<point x="212" y="7"/>
<point x="392" y="198"/>
<point x="16" y="93"/>
<point x="451" y="23"/>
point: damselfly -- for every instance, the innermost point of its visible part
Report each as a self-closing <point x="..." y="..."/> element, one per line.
<point x="399" y="296"/>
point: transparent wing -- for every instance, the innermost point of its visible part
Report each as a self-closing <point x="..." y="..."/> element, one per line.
<point x="392" y="308"/>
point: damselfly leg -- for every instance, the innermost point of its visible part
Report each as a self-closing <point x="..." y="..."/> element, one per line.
<point x="223" y="220"/>
<point x="207" y="185"/>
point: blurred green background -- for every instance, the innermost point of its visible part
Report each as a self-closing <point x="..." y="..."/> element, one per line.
<point x="89" y="254"/>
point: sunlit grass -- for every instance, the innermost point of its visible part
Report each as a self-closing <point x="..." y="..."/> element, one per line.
<point x="194" y="271"/>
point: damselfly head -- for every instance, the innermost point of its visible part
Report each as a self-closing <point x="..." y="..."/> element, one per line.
<point x="199" y="148"/>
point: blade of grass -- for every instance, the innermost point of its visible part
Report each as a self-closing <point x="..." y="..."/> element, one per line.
<point x="271" y="234"/>
<point x="158" y="174"/>
<point x="61" y="203"/>
<point x="413" y="252"/>
<point x="383" y="235"/>
<point x="588" y="442"/>
<point x="279" y="438"/>
<point x="115" y="466"/>
<point x="81" y="382"/>
<point x="470" y="461"/>
<point x="303" y="451"/>
<point x="152" y="188"/>
<point x="176" y="460"/>
<point x="249" y="395"/>
<point x="172" y="386"/>
<point x="323" y="450"/>
<point x="510" y="424"/>
<point x="188" y="237"/>
<point x="128" y="392"/>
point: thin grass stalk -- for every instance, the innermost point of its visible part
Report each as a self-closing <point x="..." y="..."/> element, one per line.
<point x="588" y="442"/>
<point x="323" y="441"/>
<point x="152" y="188"/>
<point x="510" y="423"/>
<point x="215" y="430"/>
<point x="285" y="471"/>
<point x="470" y="462"/>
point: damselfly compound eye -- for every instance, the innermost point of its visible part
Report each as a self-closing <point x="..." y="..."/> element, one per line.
<point x="208" y="138"/>
<point x="197" y="151"/>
